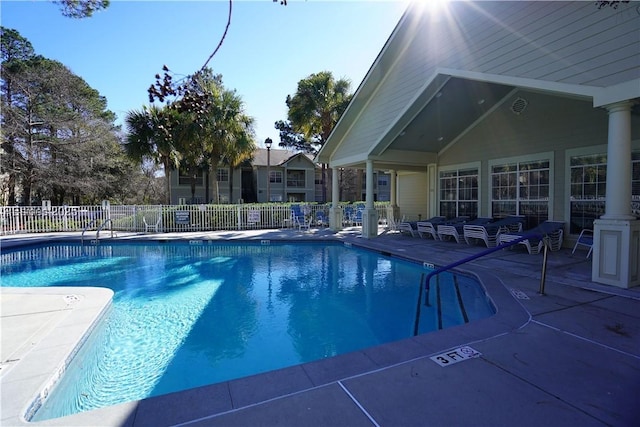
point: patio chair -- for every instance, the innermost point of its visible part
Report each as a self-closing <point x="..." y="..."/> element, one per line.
<point x="489" y="232"/>
<point x="554" y="230"/>
<point x="391" y="224"/>
<point x="153" y="222"/>
<point x="456" y="229"/>
<point x="428" y="227"/>
<point x="585" y="239"/>
<point x="300" y="220"/>
<point x="357" y="217"/>
<point x="407" y="227"/>
<point x="347" y="215"/>
<point x="321" y="219"/>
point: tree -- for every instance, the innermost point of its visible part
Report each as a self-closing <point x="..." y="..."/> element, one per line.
<point x="314" y="110"/>
<point x="55" y="128"/>
<point x="81" y="8"/>
<point x="14" y="50"/>
<point x="225" y="131"/>
<point x="153" y="135"/>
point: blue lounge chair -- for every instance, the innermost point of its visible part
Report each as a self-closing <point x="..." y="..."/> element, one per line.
<point x="553" y="230"/>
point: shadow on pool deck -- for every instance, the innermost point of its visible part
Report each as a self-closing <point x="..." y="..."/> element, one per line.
<point x="569" y="357"/>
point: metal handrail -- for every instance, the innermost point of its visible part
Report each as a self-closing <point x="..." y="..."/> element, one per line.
<point x="102" y="226"/>
<point x="84" y="230"/>
<point x="542" y="237"/>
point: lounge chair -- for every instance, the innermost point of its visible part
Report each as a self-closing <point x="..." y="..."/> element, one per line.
<point x="153" y="222"/>
<point x="409" y="227"/>
<point x="489" y="232"/>
<point x="554" y="230"/>
<point x="456" y="230"/>
<point x="584" y="239"/>
<point x="429" y="226"/>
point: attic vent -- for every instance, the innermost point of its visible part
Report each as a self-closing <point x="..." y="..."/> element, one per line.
<point x="519" y="106"/>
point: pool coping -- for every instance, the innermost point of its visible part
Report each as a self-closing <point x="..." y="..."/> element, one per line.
<point x="230" y="396"/>
<point x="65" y="319"/>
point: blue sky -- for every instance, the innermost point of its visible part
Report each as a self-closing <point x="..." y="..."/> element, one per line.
<point x="268" y="48"/>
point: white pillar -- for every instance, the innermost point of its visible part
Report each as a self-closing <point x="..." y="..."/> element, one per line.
<point x="335" y="212"/>
<point x="394" y="195"/>
<point x="369" y="185"/>
<point x="618" y="203"/>
<point x="393" y="213"/>
<point x="369" y="215"/>
<point x="616" y="246"/>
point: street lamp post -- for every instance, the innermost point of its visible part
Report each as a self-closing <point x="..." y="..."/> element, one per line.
<point x="267" y="143"/>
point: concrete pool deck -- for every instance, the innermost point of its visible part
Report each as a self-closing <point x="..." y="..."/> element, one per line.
<point x="569" y="357"/>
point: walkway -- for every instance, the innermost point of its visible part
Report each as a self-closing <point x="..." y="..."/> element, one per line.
<point x="569" y="357"/>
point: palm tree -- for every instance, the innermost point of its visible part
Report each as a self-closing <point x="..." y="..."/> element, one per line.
<point x="227" y="132"/>
<point x="151" y="135"/>
<point x="241" y="150"/>
<point x="316" y="107"/>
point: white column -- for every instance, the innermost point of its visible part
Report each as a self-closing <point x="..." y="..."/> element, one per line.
<point x="394" y="195"/>
<point x="616" y="243"/>
<point x="618" y="203"/>
<point x="393" y="213"/>
<point x="369" y="215"/>
<point x="369" y="185"/>
<point x="335" y="213"/>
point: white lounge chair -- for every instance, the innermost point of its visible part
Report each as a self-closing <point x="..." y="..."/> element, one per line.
<point x="488" y="233"/>
<point x="429" y="227"/>
<point x="456" y="230"/>
<point x="553" y="230"/>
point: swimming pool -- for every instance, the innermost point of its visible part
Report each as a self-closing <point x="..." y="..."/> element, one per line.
<point x="187" y="314"/>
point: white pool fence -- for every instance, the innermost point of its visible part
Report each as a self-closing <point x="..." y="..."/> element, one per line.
<point x="158" y="218"/>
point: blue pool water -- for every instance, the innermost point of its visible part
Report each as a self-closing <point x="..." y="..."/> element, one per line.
<point x="187" y="314"/>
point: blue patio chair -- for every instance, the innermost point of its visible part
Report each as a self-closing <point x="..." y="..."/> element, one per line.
<point x="585" y="239"/>
<point x="357" y="217"/>
<point x="300" y="220"/>
<point x="554" y="230"/>
<point x="321" y="219"/>
<point x="347" y="215"/>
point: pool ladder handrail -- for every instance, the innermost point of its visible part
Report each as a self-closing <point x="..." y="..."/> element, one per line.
<point x="93" y="222"/>
<point x="86" y="227"/>
<point x="544" y="238"/>
<point x="107" y="221"/>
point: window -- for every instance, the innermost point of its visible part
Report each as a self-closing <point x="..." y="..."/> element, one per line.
<point x="223" y="175"/>
<point x="275" y="177"/>
<point x="185" y="179"/>
<point x="459" y="193"/>
<point x="521" y="188"/>
<point x="588" y="189"/>
<point x="383" y="180"/>
<point x="296" y="178"/>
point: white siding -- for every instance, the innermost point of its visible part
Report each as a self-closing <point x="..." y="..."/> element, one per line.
<point x="412" y="195"/>
<point x="565" y="42"/>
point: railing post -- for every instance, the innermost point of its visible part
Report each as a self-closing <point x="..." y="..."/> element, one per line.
<point x="543" y="275"/>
